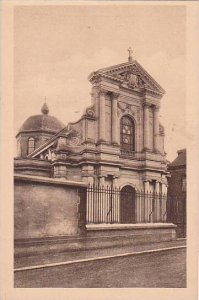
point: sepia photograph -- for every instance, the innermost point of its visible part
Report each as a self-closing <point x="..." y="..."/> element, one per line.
<point x="100" y="147"/>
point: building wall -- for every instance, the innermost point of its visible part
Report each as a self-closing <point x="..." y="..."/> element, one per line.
<point x="176" y="206"/>
<point x="161" y="143"/>
<point x="45" y="208"/>
<point x="35" y="167"/>
<point x="175" y="182"/>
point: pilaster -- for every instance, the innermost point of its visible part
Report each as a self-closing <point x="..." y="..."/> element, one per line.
<point x="156" y="129"/>
<point x="102" y="115"/>
<point x="146" y="126"/>
<point x="115" y="125"/>
<point x="146" y="201"/>
<point x="157" y="201"/>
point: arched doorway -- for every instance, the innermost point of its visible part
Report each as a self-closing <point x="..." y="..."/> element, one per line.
<point x="127" y="205"/>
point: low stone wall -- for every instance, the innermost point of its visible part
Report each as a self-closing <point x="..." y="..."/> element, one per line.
<point x="139" y="233"/>
<point x="100" y="237"/>
<point x="47" y="207"/>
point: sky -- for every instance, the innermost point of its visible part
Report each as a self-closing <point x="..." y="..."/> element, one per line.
<point x="57" y="47"/>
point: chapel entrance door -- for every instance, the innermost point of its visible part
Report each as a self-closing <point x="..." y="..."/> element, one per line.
<point x="127" y="205"/>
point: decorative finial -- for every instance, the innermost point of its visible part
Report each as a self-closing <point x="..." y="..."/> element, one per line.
<point x="45" y="109"/>
<point x="130" y="58"/>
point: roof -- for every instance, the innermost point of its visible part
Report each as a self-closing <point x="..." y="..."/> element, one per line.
<point x="43" y="122"/>
<point x="180" y="159"/>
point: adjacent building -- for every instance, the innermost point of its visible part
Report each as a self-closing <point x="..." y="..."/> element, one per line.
<point x="176" y="206"/>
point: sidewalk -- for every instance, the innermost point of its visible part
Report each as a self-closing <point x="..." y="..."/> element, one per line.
<point x="43" y="259"/>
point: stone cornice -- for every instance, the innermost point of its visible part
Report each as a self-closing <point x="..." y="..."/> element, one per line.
<point x="46" y="180"/>
<point x="149" y="92"/>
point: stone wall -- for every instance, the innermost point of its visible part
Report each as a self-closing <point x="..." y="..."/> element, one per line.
<point x="46" y="207"/>
<point x="36" y="167"/>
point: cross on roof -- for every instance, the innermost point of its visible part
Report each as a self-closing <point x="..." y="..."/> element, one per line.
<point x="130" y="51"/>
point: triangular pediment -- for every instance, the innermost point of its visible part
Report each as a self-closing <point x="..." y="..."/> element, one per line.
<point x="131" y="75"/>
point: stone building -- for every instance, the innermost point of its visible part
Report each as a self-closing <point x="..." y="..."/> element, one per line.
<point x="176" y="206"/>
<point x="118" y="142"/>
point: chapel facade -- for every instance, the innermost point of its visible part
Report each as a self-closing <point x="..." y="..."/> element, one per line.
<point x="118" y="142"/>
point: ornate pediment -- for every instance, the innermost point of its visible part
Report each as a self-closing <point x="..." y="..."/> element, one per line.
<point x="130" y="75"/>
<point x="131" y="78"/>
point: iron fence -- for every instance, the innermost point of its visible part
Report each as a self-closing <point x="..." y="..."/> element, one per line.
<point x="108" y="204"/>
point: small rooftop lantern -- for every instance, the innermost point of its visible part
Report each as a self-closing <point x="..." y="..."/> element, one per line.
<point x="45" y="109"/>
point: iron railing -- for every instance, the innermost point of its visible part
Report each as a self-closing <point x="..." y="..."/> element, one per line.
<point x="108" y="204"/>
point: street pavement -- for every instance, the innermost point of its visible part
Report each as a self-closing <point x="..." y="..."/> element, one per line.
<point x="57" y="257"/>
<point x="164" y="269"/>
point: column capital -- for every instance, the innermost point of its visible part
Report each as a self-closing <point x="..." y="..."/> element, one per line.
<point x="115" y="95"/>
<point x="103" y="92"/>
<point x="146" y="105"/>
<point x="102" y="175"/>
<point x="156" y="108"/>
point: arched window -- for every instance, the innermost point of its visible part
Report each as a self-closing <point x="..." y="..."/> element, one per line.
<point x="31" y="145"/>
<point x="127" y="134"/>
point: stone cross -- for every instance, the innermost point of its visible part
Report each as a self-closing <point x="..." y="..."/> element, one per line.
<point x="130" y="58"/>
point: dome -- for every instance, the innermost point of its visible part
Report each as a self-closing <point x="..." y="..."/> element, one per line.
<point x="42" y="122"/>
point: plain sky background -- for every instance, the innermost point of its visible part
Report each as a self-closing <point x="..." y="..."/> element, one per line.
<point x="57" y="47"/>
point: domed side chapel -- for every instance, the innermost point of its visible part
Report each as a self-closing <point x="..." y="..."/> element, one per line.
<point x="118" y="142"/>
<point x="36" y="130"/>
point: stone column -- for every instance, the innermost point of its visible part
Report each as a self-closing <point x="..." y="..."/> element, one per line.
<point x="156" y="129"/>
<point x="89" y="200"/>
<point x="115" y="125"/>
<point x="138" y="208"/>
<point x="157" y="201"/>
<point x="90" y="180"/>
<point x="102" y="115"/>
<point x="100" y="197"/>
<point x="146" y="186"/>
<point x="116" y="200"/>
<point x="146" y="201"/>
<point x="164" y="201"/>
<point x="146" y="126"/>
<point x="102" y="180"/>
<point x="115" y="181"/>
